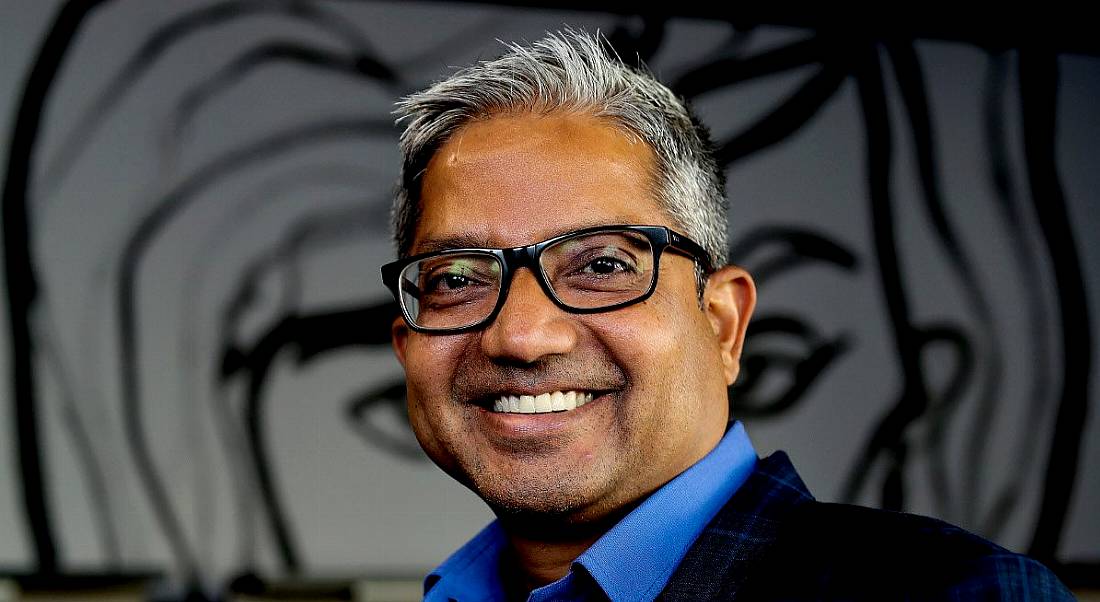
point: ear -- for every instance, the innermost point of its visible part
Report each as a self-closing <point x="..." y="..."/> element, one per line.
<point x="399" y="335"/>
<point x="728" y="302"/>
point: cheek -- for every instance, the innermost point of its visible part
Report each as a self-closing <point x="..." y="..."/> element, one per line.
<point x="429" y="371"/>
<point x="430" y="363"/>
<point x="421" y="425"/>
<point x="668" y="350"/>
<point x="652" y="341"/>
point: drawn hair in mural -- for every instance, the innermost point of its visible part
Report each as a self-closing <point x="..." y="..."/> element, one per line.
<point x="246" y="214"/>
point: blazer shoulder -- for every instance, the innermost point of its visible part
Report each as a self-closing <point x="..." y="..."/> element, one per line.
<point x="842" y="551"/>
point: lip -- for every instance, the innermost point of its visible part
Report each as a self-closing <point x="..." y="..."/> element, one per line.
<point x="551" y="401"/>
<point x="532" y="426"/>
<point x="486" y="402"/>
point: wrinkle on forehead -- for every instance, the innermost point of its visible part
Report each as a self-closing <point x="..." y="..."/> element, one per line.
<point x="578" y="162"/>
<point x="527" y="134"/>
<point x="474" y="241"/>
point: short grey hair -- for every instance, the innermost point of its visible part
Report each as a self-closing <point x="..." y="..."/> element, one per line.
<point x="570" y="72"/>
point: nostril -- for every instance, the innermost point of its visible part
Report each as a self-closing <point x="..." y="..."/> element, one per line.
<point x="529" y="325"/>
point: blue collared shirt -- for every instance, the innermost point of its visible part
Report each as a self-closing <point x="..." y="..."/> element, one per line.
<point x="632" y="561"/>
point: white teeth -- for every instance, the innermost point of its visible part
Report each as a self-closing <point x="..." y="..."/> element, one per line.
<point x="558" y="401"/>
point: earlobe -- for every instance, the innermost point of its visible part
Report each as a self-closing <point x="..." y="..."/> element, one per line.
<point x="399" y="335"/>
<point x="728" y="301"/>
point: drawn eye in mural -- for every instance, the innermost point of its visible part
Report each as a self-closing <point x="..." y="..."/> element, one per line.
<point x="381" y="417"/>
<point x="783" y="357"/>
<point x="220" y="196"/>
<point x="784" y="354"/>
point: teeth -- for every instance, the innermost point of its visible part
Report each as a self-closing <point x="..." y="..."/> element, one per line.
<point x="558" y="401"/>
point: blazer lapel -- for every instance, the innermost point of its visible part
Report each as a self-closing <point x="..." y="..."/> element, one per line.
<point x="722" y="559"/>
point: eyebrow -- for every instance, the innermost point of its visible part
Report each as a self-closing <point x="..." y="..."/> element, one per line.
<point x="475" y="241"/>
<point x="463" y="241"/>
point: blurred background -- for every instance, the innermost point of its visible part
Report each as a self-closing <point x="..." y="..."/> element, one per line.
<point x="200" y="400"/>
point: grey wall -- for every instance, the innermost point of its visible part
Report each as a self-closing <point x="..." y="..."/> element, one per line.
<point x="302" y="228"/>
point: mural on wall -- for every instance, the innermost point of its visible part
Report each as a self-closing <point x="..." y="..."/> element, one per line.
<point x="196" y="202"/>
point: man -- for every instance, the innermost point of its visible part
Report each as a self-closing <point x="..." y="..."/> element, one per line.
<point x="569" y="330"/>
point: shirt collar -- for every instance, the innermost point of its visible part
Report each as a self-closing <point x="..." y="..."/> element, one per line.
<point x="635" y="559"/>
<point x="472" y="572"/>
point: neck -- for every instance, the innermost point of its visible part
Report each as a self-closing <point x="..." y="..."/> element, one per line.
<point x="535" y="563"/>
<point x="541" y="550"/>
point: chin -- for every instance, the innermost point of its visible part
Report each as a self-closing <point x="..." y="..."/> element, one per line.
<point x="541" y="501"/>
<point x="548" y="499"/>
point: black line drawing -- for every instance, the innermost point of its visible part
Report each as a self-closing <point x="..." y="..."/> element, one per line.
<point x="836" y="58"/>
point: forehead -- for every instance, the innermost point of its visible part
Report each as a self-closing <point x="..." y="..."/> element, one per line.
<point x="516" y="179"/>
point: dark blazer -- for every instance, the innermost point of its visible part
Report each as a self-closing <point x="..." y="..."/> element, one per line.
<point x="773" y="541"/>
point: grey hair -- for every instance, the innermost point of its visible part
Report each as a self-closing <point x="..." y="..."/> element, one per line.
<point x="571" y="72"/>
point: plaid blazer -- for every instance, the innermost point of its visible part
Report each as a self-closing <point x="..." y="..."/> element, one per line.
<point x="773" y="541"/>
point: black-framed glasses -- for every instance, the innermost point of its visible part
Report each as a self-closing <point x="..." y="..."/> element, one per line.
<point x="586" y="271"/>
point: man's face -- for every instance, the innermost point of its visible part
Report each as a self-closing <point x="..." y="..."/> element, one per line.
<point x="655" y="369"/>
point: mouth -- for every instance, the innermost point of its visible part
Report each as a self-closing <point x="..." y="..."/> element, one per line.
<point x="543" y="403"/>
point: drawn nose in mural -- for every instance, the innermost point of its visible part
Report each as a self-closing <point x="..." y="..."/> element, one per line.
<point x="197" y="199"/>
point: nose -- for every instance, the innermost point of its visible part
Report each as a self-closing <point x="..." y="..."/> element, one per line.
<point x="529" y="325"/>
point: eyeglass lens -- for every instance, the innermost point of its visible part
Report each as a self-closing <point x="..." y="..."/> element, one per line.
<point x="589" y="271"/>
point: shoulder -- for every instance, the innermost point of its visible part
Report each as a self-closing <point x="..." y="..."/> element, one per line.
<point x="773" y="541"/>
<point x="844" y="551"/>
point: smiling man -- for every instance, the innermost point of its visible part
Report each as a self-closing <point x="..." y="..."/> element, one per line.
<point x="569" y="330"/>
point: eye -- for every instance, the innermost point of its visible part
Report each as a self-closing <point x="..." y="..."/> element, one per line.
<point x="448" y="282"/>
<point x="451" y="275"/>
<point x="782" y="359"/>
<point x="598" y="264"/>
<point x="603" y="266"/>
<point x="605" y="260"/>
